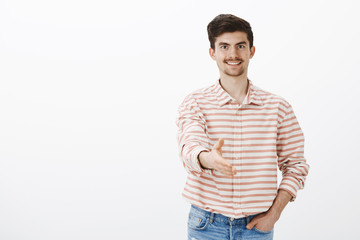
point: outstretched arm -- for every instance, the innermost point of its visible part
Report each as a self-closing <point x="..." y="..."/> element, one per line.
<point x="192" y="136"/>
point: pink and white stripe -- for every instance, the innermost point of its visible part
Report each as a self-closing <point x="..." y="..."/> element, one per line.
<point x="261" y="135"/>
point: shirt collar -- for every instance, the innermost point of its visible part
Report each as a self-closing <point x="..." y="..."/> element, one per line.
<point x="252" y="97"/>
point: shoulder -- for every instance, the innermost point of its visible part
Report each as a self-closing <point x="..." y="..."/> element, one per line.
<point x="201" y="94"/>
<point x="271" y="98"/>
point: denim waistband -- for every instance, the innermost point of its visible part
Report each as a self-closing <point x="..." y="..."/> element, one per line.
<point x="221" y="218"/>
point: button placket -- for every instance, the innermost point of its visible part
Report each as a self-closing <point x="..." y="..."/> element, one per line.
<point x="234" y="157"/>
<point x="238" y="157"/>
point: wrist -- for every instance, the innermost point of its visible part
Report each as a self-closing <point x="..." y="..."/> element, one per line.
<point x="274" y="213"/>
<point x="279" y="204"/>
<point x="202" y="157"/>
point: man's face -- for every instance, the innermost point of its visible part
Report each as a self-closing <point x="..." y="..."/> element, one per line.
<point x="232" y="53"/>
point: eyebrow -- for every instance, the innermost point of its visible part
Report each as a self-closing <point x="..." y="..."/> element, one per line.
<point x="224" y="43"/>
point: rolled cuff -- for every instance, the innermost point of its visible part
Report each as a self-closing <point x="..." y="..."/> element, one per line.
<point x="196" y="161"/>
<point x="291" y="185"/>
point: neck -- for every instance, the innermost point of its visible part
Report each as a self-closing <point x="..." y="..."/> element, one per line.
<point x="236" y="86"/>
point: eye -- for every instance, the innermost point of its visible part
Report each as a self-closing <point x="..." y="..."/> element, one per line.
<point x="241" y="46"/>
<point x="223" y="47"/>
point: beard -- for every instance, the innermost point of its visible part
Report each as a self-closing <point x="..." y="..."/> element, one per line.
<point x="235" y="73"/>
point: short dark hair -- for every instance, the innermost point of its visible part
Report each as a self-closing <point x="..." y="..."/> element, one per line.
<point x="228" y="23"/>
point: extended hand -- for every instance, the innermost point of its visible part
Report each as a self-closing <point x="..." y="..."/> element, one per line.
<point x="214" y="160"/>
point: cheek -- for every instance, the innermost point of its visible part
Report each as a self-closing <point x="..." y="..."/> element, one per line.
<point x="218" y="57"/>
<point x="245" y="57"/>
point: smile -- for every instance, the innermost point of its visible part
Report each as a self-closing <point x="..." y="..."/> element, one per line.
<point x="233" y="63"/>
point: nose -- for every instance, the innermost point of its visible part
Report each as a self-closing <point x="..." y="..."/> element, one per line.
<point x="233" y="52"/>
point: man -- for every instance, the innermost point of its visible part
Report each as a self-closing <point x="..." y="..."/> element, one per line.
<point x="232" y="137"/>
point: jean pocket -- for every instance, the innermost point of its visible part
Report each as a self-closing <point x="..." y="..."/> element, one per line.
<point x="198" y="222"/>
<point x="260" y="231"/>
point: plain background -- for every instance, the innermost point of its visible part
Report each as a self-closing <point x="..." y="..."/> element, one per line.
<point x="89" y="92"/>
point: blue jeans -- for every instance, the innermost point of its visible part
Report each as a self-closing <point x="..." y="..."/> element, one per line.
<point x="204" y="225"/>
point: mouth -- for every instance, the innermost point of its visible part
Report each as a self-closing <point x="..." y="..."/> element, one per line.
<point x="233" y="63"/>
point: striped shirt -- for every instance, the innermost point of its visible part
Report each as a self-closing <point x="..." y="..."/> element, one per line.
<point x="261" y="135"/>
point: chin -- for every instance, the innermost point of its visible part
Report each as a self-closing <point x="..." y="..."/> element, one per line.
<point x="235" y="74"/>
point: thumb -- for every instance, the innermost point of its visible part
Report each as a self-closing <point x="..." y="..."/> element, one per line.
<point x="251" y="224"/>
<point x="219" y="144"/>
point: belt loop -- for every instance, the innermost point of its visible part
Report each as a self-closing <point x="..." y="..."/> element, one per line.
<point x="247" y="219"/>
<point x="212" y="217"/>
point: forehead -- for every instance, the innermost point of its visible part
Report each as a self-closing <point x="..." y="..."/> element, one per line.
<point x="232" y="38"/>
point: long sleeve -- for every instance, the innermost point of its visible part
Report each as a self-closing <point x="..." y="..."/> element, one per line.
<point x="264" y="123"/>
<point x="192" y="137"/>
<point x="290" y="151"/>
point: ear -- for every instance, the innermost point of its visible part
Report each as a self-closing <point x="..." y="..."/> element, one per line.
<point x="252" y="51"/>
<point x="212" y="53"/>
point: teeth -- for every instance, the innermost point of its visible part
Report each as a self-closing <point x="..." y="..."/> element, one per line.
<point x="233" y="63"/>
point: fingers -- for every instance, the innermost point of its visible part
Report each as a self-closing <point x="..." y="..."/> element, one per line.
<point x="225" y="167"/>
<point x="219" y="144"/>
<point x="230" y="172"/>
<point x="233" y="169"/>
<point x="251" y="224"/>
<point x="222" y="165"/>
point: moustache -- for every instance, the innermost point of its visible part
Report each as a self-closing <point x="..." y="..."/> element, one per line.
<point x="236" y="59"/>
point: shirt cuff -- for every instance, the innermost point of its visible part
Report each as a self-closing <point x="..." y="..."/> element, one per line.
<point x="196" y="160"/>
<point x="291" y="185"/>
